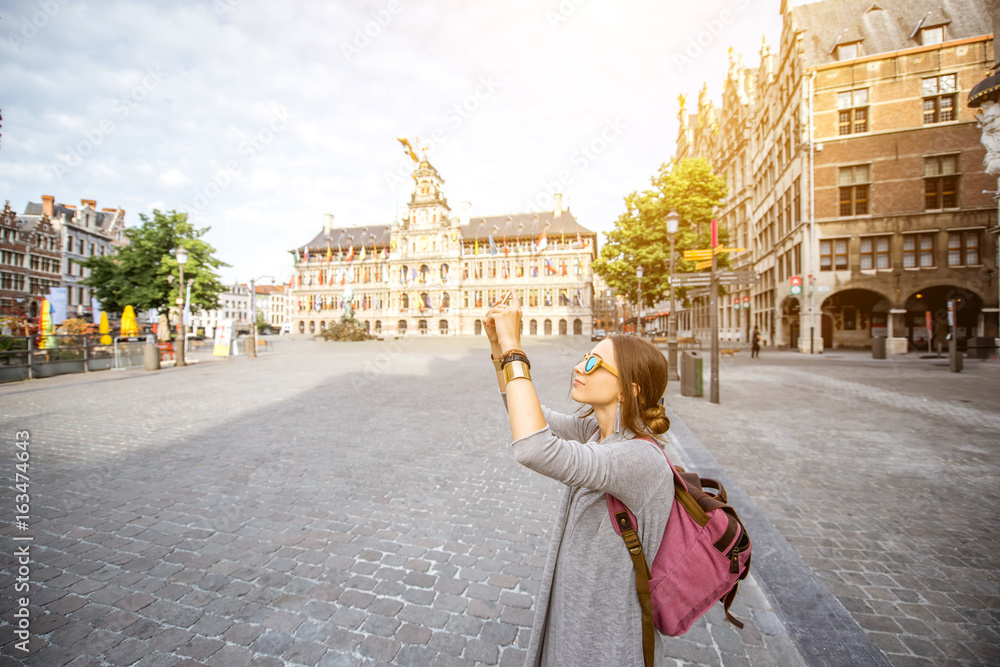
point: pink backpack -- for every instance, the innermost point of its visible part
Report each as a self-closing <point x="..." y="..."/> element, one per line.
<point x="704" y="553"/>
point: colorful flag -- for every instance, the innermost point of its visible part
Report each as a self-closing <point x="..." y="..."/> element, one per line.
<point x="350" y="253"/>
<point x="362" y="257"/>
<point x="549" y="266"/>
<point x="579" y="241"/>
<point x="493" y="245"/>
<point x="295" y="258"/>
<point x="329" y="253"/>
<point x="534" y="268"/>
<point x="562" y="266"/>
<point x="477" y="245"/>
<point x="543" y="242"/>
<point x="506" y="249"/>
<point x="307" y="254"/>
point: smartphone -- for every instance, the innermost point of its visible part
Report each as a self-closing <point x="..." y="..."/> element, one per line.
<point x="503" y="300"/>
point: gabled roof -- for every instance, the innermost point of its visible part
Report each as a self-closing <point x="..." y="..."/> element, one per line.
<point x="893" y="27"/>
<point x="104" y="219"/>
<point x="522" y="224"/>
<point x="345" y="236"/>
<point x="530" y="224"/>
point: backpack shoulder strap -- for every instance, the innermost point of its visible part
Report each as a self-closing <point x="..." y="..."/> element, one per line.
<point x="625" y="524"/>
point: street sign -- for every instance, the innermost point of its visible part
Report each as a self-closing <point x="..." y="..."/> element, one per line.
<point x="724" y="278"/>
<point x="746" y="301"/>
<point x="796" y="285"/>
<point x="704" y="264"/>
<point x="701" y="254"/>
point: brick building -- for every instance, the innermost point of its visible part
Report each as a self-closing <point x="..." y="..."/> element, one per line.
<point x="891" y="177"/>
<point x="84" y="233"/>
<point x="30" y="262"/>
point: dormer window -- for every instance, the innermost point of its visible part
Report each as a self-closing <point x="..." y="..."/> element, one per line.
<point x="932" y="35"/>
<point x="849" y="51"/>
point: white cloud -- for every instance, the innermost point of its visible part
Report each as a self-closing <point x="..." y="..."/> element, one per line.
<point x="134" y="103"/>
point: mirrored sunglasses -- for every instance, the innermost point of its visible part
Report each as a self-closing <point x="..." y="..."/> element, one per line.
<point x="591" y="362"/>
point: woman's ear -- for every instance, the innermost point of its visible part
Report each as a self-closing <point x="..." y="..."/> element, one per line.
<point x="635" y="390"/>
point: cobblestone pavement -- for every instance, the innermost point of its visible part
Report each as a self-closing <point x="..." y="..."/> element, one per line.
<point x="325" y="504"/>
<point x="883" y="476"/>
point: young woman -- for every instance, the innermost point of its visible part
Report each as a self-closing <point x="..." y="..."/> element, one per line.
<point x="587" y="611"/>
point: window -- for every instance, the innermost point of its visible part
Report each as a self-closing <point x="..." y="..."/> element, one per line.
<point x="797" y="203"/>
<point x="941" y="182"/>
<point x="833" y="255"/>
<point x="848" y="51"/>
<point x="933" y="35"/>
<point x="854" y="183"/>
<point x="963" y="248"/>
<point x="850" y="319"/>
<point x="918" y="251"/>
<point x="852" y="116"/>
<point x="875" y="252"/>
<point x="939" y="98"/>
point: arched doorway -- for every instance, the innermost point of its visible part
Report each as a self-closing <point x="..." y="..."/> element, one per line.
<point x="443" y="327"/>
<point x="562" y="327"/>
<point x="968" y="306"/>
<point x="479" y="327"/>
<point x="322" y="325"/>
<point x="547" y="327"/>
<point x="422" y="326"/>
<point x="578" y="327"/>
<point x="312" y="326"/>
<point x="790" y="310"/>
<point x="302" y="326"/>
<point x="853" y="318"/>
<point x="533" y="328"/>
<point x="378" y="326"/>
<point x="401" y="326"/>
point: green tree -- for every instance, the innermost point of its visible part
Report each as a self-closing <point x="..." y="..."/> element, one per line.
<point x="144" y="274"/>
<point x="640" y="235"/>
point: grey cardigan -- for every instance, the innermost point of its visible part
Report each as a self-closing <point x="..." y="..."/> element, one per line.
<point x="587" y="612"/>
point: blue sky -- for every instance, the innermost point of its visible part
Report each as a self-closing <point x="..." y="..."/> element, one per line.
<point x="259" y="117"/>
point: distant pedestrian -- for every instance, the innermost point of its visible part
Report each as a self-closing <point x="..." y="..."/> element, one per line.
<point x="587" y="610"/>
<point x="755" y="344"/>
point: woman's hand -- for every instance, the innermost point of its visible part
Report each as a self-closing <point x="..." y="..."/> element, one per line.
<point x="506" y="321"/>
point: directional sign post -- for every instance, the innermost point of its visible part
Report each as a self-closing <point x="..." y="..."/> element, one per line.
<point x="713" y="299"/>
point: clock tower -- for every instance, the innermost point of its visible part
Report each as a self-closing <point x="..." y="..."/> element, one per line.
<point x="428" y="228"/>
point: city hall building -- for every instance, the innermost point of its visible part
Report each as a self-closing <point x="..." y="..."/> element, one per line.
<point x="436" y="272"/>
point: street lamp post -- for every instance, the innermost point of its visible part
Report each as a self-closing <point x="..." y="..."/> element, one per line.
<point x="182" y="258"/>
<point x="253" y="315"/>
<point x="638" y="324"/>
<point x="673" y="222"/>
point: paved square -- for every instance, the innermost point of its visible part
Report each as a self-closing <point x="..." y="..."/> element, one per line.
<point x="355" y="504"/>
